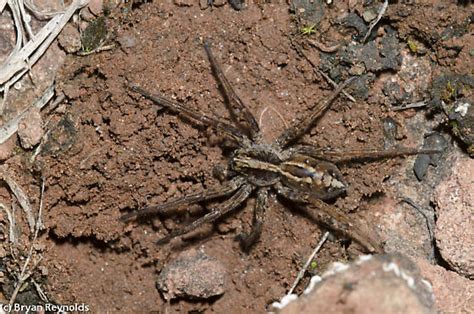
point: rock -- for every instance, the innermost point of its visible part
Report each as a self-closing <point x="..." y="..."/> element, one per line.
<point x="454" y="232"/>
<point x="453" y="293"/>
<point x="433" y="141"/>
<point x="218" y="3"/>
<point x="310" y="12"/>
<point x="70" y="39"/>
<point x="414" y="76"/>
<point x="193" y="275"/>
<point x="375" y="56"/>
<point x="354" y="21"/>
<point x="203" y="4"/>
<point x="373" y="284"/>
<point x="237" y="4"/>
<point x="184" y="3"/>
<point x="461" y="118"/>
<point x="49" y="6"/>
<point x="30" y="128"/>
<point x="127" y="41"/>
<point x="411" y="81"/>
<point x="96" y="7"/>
<point x="7" y="147"/>
<point x="446" y="88"/>
<point x="369" y="15"/>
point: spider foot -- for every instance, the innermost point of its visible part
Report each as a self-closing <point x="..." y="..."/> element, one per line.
<point x="248" y="239"/>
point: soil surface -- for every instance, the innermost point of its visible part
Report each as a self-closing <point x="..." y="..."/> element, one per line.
<point x="110" y="151"/>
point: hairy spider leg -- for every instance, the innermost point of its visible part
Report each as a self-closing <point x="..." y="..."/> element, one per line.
<point x="227" y="206"/>
<point x="238" y="111"/>
<point x="336" y="221"/>
<point x="248" y="239"/>
<point x="297" y="130"/>
<point x="228" y="129"/>
<point x="342" y="156"/>
<point x="226" y="189"/>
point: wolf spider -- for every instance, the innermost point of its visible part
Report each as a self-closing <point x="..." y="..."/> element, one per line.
<point x="300" y="173"/>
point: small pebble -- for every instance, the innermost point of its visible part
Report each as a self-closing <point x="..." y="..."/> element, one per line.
<point x="30" y="128"/>
<point x="184" y="3"/>
<point x="369" y="15"/>
<point x="203" y="4"/>
<point x="70" y="39"/>
<point x="193" y="275"/>
<point x="433" y="141"/>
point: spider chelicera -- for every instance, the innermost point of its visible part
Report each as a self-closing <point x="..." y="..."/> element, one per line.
<point x="300" y="173"/>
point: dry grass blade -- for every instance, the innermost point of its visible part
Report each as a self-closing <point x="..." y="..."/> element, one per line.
<point x="22" y="199"/>
<point x="377" y="19"/>
<point x="418" y="104"/>
<point x="11" y="222"/>
<point x="22" y="58"/>
<point x="24" y="275"/>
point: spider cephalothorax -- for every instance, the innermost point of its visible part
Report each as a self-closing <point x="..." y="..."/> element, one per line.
<point x="300" y="173"/>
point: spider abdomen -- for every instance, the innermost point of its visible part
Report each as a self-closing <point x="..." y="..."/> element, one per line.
<point x="320" y="178"/>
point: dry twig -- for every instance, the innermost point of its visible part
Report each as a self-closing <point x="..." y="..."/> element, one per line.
<point x="323" y="47"/>
<point x="40" y="291"/>
<point x="374" y="22"/>
<point x="334" y="84"/>
<point x="306" y="265"/>
<point x="301" y="52"/>
<point x="410" y="106"/>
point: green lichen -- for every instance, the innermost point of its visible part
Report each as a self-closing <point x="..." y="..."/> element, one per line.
<point x="94" y="35"/>
<point x="449" y="93"/>
<point x="412" y="46"/>
<point x="308" y="29"/>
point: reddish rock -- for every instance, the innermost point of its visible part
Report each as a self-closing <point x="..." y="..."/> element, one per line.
<point x="96" y="7"/>
<point x="453" y="293"/>
<point x="6" y="148"/>
<point x="70" y="39"/>
<point x="30" y="128"/>
<point x="184" y="3"/>
<point x="374" y="284"/>
<point x="193" y="275"/>
<point x="454" y="199"/>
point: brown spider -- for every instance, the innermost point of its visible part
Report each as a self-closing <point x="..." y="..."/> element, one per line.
<point x="300" y="173"/>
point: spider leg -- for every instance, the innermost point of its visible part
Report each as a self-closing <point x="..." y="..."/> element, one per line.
<point x="336" y="221"/>
<point x="214" y="192"/>
<point x="297" y="130"/>
<point x="230" y="204"/>
<point x="239" y="112"/>
<point x="341" y="156"/>
<point x="228" y="129"/>
<point x="248" y="239"/>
